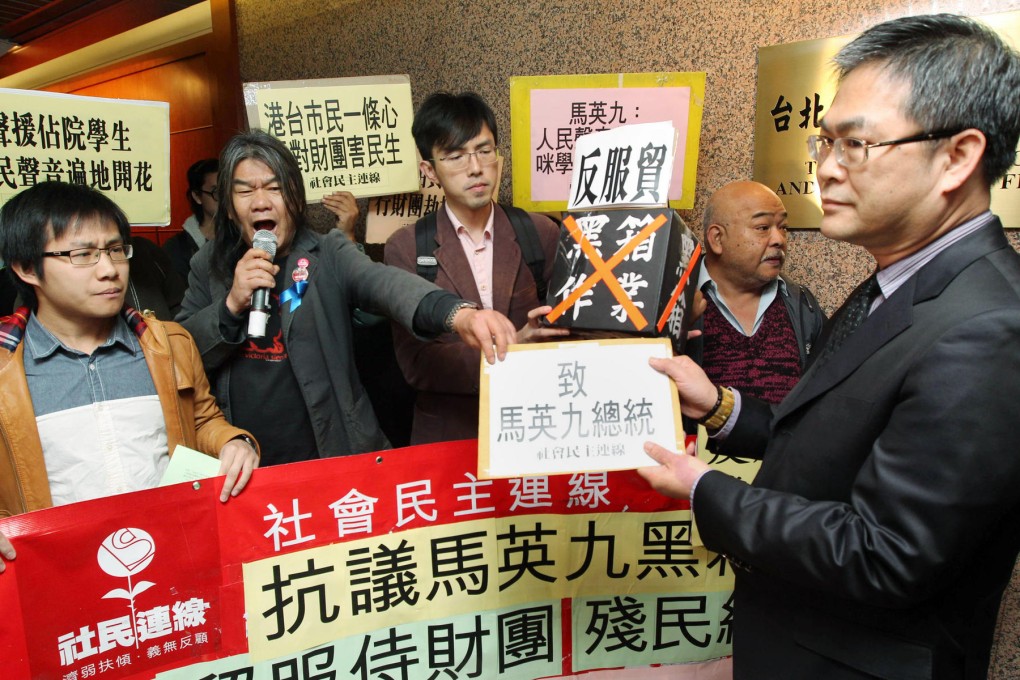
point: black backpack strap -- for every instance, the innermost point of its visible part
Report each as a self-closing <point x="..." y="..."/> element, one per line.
<point x="425" y="240"/>
<point x="531" y="247"/>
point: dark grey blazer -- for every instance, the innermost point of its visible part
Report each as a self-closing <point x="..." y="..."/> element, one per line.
<point x="884" y="524"/>
<point x="318" y="334"/>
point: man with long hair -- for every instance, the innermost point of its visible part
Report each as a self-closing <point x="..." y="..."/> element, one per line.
<point x="297" y="387"/>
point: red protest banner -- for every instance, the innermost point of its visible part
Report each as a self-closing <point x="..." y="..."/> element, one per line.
<point x="396" y="564"/>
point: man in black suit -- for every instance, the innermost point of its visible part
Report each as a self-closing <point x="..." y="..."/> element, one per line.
<point x="884" y="524"/>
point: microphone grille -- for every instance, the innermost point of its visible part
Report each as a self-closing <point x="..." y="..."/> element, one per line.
<point x="265" y="240"/>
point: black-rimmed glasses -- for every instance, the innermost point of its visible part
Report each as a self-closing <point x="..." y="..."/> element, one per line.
<point x="87" y="257"/>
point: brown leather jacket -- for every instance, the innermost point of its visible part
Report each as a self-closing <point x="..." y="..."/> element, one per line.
<point x="189" y="409"/>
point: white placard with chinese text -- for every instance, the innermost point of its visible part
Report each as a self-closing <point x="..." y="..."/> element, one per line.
<point x="627" y="166"/>
<point x="581" y="406"/>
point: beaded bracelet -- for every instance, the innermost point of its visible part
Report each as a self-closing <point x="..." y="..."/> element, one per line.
<point x="721" y="412"/>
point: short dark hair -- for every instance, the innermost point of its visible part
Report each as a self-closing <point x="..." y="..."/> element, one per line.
<point x="196" y="180"/>
<point x="451" y="120"/>
<point x="44" y="211"/>
<point x="256" y="145"/>
<point x="961" y="75"/>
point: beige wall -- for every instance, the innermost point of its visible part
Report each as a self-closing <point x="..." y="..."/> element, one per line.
<point x="457" y="45"/>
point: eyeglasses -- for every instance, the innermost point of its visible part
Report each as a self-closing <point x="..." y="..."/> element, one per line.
<point x="214" y="194"/>
<point x="852" y="152"/>
<point x="459" y="160"/>
<point x="87" y="257"/>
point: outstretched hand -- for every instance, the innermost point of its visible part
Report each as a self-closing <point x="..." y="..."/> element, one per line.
<point x="485" y="329"/>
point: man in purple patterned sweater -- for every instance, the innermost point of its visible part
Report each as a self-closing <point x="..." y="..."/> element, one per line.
<point x="758" y="327"/>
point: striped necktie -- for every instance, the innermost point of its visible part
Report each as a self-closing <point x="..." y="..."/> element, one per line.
<point x="853" y="314"/>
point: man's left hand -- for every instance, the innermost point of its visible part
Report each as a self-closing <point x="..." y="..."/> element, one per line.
<point x="675" y="474"/>
<point x="534" y="331"/>
<point x="345" y="207"/>
<point x="237" y="460"/>
<point x="6" y="552"/>
<point x="484" y="329"/>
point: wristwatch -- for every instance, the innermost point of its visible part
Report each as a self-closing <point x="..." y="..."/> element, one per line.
<point x="463" y="304"/>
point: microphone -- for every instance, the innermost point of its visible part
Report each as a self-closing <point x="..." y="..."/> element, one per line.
<point x="258" y="315"/>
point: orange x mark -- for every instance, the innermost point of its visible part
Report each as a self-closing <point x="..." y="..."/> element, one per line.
<point x="679" y="288"/>
<point x="604" y="271"/>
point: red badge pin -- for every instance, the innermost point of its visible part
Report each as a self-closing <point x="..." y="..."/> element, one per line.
<point x="301" y="272"/>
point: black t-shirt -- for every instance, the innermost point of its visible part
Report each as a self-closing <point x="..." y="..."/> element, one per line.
<point x="264" y="394"/>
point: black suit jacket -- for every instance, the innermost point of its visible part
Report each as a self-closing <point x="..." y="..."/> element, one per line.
<point x="884" y="524"/>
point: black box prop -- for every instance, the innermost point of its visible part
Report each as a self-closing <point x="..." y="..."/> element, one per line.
<point x="625" y="272"/>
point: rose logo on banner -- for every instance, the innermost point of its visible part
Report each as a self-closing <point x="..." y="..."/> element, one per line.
<point x="123" y="554"/>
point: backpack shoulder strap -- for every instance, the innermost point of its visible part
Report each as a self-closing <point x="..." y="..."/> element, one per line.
<point x="425" y="239"/>
<point x="531" y="247"/>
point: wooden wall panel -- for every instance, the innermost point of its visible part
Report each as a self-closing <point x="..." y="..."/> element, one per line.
<point x="185" y="84"/>
<point x="92" y="23"/>
<point x="186" y="147"/>
<point x="199" y="78"/>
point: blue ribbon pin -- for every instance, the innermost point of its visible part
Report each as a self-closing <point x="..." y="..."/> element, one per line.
<point x="294" y="294"/>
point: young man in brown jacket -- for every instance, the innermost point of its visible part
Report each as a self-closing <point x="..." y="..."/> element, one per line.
<point x="94" y="396"/>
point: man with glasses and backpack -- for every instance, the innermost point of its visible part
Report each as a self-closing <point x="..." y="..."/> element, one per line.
<point x="496" y="256"/>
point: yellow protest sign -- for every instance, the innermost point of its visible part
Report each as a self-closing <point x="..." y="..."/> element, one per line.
<point x="118" y="146"/>
<point x="549" y="113"/>
<point x="348" y="134"/>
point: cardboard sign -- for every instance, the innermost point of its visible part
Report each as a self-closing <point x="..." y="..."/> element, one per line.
<point x="120" y="147"/>
<point x="625" y="272"/>
<point x="347" y="134"/>
<point x="388" y="214"/>
<point x="625" y="167"/>
<point x="574" y="413"/>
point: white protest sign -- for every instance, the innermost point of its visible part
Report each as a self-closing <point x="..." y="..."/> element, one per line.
<point x="553" y="408"/>
<point x="628" y="166"/>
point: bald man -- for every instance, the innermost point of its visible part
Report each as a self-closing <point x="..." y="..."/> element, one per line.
<point x="758" y="327"/>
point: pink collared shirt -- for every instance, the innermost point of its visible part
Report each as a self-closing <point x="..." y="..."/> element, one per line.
<point x="479" y="255"/>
